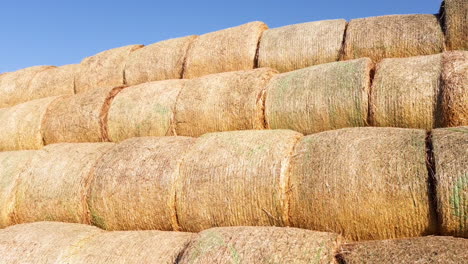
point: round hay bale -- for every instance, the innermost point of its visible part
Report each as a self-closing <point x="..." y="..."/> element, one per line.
<point x="393" y="36"/>
<point x="451" y="172"/>
<point x="133" y="185"/>
<point x="13" y="85"/>
<point x="237" y="178"/>
<point x="456" y="21"/>
<point x="222" y="102"/>
<point x="144" y="110"/>
<point x="54" y="186"/>
<point x="261" y="245"/>
<point x="52" y="82"/>
<point x="42" y="242"/>
<point x="104" y="70"/>
<point x="432" y="249"/>
<point x="159" y="61"/>
<point x="21" y="125"/>
<point x="79" y="118"/>
<point x="299" y="46"/>
<point x="11" y="165"/>
<point x="364" y="183"/>
<point x="405" y="91"/>
<point x="231" y="49"/>
<point x="454" y="101"/>
<point x="318" y="98"/>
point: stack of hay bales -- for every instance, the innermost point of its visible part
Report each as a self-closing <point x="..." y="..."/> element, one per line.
<point x="299" y="46"/>
<point x="52" y="82"/>
<point x="456" y="20"/>
<point x="318" y="98"/>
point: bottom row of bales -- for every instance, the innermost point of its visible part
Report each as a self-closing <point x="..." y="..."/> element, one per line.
<point x="364" y="183"/>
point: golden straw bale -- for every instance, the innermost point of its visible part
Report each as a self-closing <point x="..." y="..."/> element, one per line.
<point x="456" y="24"/>
<point x="159" y="61"/>
<point x="222" y="102"/>
<point x="144" y="110"/>
<point x="365" y="183"/>
<point x="104" y="70"/>
<point x="405" y="91"/>
<point x="318" y="98"/>
<point x="393" y="36"/>
<point x="235" y="178"/>
<point x="54" y="186"/>
<point x="299" y="46"/>
<point x="231" y="49"/>
<point x="52" y="82"/>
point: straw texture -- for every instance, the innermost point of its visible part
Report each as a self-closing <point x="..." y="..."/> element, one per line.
<point x="393" y="36"/>
<point x="299" y="46"/>
<point x="364" y="183"/>
<point x="456" y="24"/>
<point x="261" y="245"/>
<point x="133" y="185"/>
<point x="405" y="91"/>
<point x="318" y="98"/>
<point x="235" y="178"/>
<point x="159" y="61"/>
<point x="222" y="102"/>
<point x="52" y="82"/>
<point x="144" y="110"/>
<point x="231" y="49"/>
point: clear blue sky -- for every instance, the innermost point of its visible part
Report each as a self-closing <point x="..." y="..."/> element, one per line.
<point x="45" y="32"/>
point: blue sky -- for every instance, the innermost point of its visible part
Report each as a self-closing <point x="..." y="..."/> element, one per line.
<point x="44" y="32"/>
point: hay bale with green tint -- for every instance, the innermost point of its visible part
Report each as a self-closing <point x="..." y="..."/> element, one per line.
<point x="299" y="46"/>
<point x="393" y="36"/>
<point x="232" y="49"/>
<point x="104" y="70"/>
<point x="261" y="245"/>
<point x="451" y="172"/>
<point x="222" y="102"/>
<point x="54" y="185"/>
<point x="319" y="98"/>
<point x="21" y="125"/>
<point x="235" y="178"/>
<point x="144" y="110"/>
<point x="456" y="21"/>
<point x="133" y="185"/>
<point x="363" y="183"/>
<point x="405" y="91"/>
<point x="159" y="61"/>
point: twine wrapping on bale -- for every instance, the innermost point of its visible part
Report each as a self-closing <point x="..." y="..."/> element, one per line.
<point x="159" y="61"/>
<point x="364" y="183"/>
<point x="432" y="249"/>
<point x="54" y="186"/>
<point x="451" y="172"/>
<point x="133" y="185"/>
<point x="52" y="82"/>
<point x="21" y="125"/>
<point x="301" y="45"/>
<point x="318" y="98"/>
<point x="231" y="49"/>
<point x="235" y="178"/>
<point x="222" y="102"/>
<point x="456" y="21"/>
<point x="144" y="110"/>
<point x="393" y="36"/>
<point x="104" y="70"/>
<point x="405" y="92"/>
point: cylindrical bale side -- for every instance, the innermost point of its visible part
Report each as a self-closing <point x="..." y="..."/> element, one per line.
<point x="456" y="24"/>
<point x="52" y="82"/>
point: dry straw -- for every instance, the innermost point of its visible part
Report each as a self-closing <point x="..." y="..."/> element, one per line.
<point x="104" y="70"/>
<point x="301" y="45"/>
<point x="451" y="167"/>
<point x="364" y="183"/>
<point x="322" y="97"/>
<point x="133" y="185"/>
<point x="21" y="125"/>
<point x="432" y="249"/>
<point x="54" y="186"/>
<point x="159" y="61"/>
<point x="235" y="178"/>
<point x="261" y="245"/>
<point x="222" y="102"/>
<point x="144" y="110"/>
<point x="456" y="21"/>
<point x="52" y="82"/>
<point x="393" y="36"/>
<point x="231" y="49"/>
<point x="405" y="92"/>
